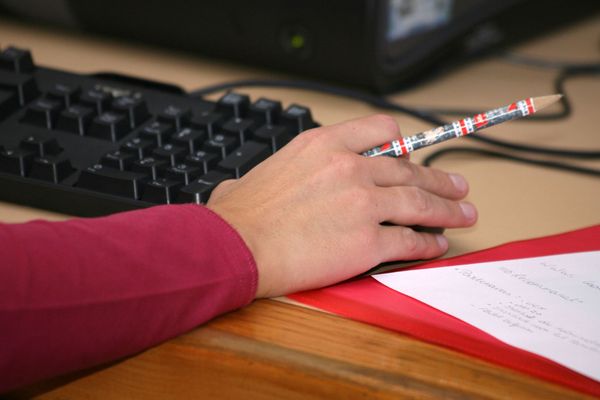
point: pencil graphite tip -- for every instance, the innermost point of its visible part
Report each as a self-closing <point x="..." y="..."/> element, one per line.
<point x="544" y="101"/>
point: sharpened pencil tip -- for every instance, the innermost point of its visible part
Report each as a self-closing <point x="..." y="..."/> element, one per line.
<point x="544" y="101"/>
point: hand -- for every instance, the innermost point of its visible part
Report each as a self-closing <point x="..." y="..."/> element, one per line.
<point x="311" y="214"/>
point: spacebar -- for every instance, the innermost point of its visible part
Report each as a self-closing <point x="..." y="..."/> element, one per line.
<point x="112" y="181"/>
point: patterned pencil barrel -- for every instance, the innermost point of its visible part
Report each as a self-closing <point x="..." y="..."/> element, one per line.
<point x="460" y="128"/>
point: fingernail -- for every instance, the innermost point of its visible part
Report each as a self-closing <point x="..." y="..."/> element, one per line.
<point x="468" y="210"/>
<point x="442" y="241"/>
<point x="459" y="182"/>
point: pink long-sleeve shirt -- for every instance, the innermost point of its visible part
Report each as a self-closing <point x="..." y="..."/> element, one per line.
<point x="82" y="292"/>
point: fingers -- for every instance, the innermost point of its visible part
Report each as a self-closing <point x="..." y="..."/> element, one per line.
<point x="414" y="206"/>
<point x="388" y="171"/>
<point x="364" y="133"/>
<point x="402" y="243"/>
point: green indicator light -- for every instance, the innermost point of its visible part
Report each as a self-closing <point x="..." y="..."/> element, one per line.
<point x="297" y="41"/>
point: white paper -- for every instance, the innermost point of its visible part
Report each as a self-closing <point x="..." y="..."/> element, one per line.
<point x="546" y="305"/>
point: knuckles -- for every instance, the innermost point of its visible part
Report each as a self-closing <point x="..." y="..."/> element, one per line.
<point x="410" y="242"/>
<point x="344" y="164"/>
<point x="420" y="200"/>
<point x="386" y="122"/>
<point x="310" y="138"/>
<point x="407" y="171"/>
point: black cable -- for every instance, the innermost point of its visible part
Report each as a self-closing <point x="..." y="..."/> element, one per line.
<point x="567" y="70"/>
<point x="385" y="104"/>
<point x="490" y="153"/>
<point x="559" y="87"/>
<point x="519" y="59"/>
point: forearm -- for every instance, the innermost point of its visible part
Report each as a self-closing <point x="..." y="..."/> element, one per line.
<point x="82" y="292"/>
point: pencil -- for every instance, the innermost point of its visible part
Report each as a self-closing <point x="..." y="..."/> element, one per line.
<point x="463" y="127"/>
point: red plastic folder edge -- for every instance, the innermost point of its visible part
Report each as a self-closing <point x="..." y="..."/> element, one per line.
<point x="369" y="301"/>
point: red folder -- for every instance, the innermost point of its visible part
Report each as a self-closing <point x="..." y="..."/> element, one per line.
<point x="369" y="301"/>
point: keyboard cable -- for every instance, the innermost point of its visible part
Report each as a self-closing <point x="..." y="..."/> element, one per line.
<point x="566" y="72"/>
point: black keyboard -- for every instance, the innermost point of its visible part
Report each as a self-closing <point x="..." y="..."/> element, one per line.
<point x="92" y="145"/>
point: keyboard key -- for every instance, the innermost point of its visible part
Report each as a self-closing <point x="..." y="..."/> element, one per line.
<point x="169" y="153"/>
<point x="276" y="136"/>
<point x="67" y="94"/>
<point x="234" y="104"/>
<point x="265" y="111"/>
<point x="97" y="99"/>
<point x="184" y="173"/>
<point x="157" y="132"/>
<point x="134" y="108"/>
<point x="189" y="138"/>
<point x="244" y="158"/>
<point x="139" y="148"/>
<point x="41" y="146"/>
<point x="16" y="60"/>
<point x="199" y="190"/>
<point x="51" y="169"/>
<point x="16" y="161"/>
<point x="42" y="112"/>
<point x="112" y="181"/>
<point x="9" y="103"/>
<point x="118" y="160"/>
<point x="221" y="145"/>
<point x="75" y="119"/>
<point x="298" y="118"/>
<point x="239" y="127"/>
<point x="161" y="191"/>
<point x="209" y="122"/>
<point x="23" y="85"/>
<point x="109" y="126"/>
<point x="150" y="166"/>
<point x="177" y="116"/>
<point x="203" y="159"/>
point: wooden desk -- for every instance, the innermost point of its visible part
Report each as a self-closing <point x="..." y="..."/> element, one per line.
<point x="272" y="350"/>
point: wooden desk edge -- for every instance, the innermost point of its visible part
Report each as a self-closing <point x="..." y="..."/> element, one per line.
<point x="274" y="350"/>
